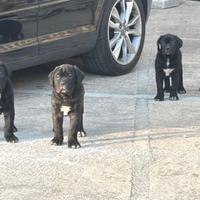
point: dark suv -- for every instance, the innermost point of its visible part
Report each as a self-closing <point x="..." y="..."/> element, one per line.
<point x="108" y="34"/>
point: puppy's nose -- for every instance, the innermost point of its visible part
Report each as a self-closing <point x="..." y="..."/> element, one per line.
<point x="167" y="48"/>
<point x="62" y="83"/>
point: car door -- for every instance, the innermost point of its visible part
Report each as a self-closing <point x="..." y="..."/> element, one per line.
<point x="18" y="31"/>
<point x="61" y="20"/>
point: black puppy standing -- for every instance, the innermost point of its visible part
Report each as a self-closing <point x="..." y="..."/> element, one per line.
<point x="168" y="65"/>
<point x="7" y="105"/>
<point x="67" y="99"/>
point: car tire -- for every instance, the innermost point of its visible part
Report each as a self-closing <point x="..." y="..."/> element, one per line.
<point x="120" y="39"/>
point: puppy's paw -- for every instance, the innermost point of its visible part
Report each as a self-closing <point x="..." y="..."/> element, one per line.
<point x="73" y="143"/>
<point x="182" y="91"/>
<point x="159" y="98"/>
<point x="11" y="138"/>
<point x="173" y="98"/>
<point x="14" y="129"/>
<point x="82" y="133"/>
<point x="56" y="141"/>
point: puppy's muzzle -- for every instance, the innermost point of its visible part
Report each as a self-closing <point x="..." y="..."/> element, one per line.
<point x="167" y="51"/>
<point x="64" y="89"/>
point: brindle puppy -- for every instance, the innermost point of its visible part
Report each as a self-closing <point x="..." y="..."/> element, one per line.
<point x="7" y="105"/>
<point x="67" y="99"/>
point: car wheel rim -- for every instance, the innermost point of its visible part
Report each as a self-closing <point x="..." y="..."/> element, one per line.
<point x="124" y="31"/>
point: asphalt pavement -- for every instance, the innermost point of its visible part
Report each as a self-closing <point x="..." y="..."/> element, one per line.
<point x="136" y="149"/>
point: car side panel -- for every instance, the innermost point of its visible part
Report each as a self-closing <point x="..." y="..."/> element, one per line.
<point x="63" y="53"/>
<point x="62" y="21"/>
<point x="18" y="31"/>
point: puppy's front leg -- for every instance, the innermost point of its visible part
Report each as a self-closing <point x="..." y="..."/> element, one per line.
<point x="73" y="129"/>
<point x="9" y="124"/>
<point x="57" y="117"/>
<point x="181" y="88"/>
<point x="167" y="84"/>
<point x="81" y="131"/>
<point x="173" y="93"/>
<point x="160" y="90"/>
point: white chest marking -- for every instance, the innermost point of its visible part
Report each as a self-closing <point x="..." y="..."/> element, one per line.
<point x="168" y="71"/>
<point x="0" y="95"/>
<point x="65" y="110"/>
<point x="168" y="62"/>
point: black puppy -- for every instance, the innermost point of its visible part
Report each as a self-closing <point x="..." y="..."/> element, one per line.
<point x="7" y="105"/>
<point x="67" y="99"/>
<point x="168" y="65"/>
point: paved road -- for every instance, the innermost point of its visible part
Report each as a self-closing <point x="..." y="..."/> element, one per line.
<point x="136" y="148"/>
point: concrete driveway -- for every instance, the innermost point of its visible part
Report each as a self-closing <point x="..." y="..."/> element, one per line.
<point x="136" y="148"/>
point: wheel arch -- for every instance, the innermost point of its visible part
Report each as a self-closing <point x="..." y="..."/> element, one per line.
<point x="146" y="5"/>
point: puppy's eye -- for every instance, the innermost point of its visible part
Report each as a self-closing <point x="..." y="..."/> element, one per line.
<point x="70" y="75"/>
<point x="57" y="76"/>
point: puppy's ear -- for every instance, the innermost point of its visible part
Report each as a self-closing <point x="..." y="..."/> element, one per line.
<point x="179" y="41"/>
<point x="79" y="75"/>
<point x="158" y="43"/>
<point x="51" y="77"/>
<point x="4" y="67"/>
